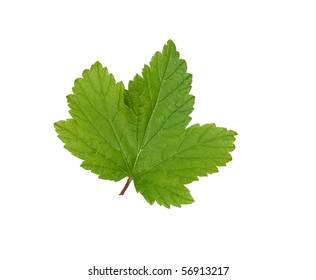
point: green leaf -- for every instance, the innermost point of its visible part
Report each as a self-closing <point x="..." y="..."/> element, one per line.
<point x="141" y="133"/>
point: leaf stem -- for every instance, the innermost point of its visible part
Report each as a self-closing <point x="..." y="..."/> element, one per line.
<point x="129" y="180"/>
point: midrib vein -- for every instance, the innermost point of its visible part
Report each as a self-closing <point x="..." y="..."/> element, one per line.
<point x="141" y="147"/>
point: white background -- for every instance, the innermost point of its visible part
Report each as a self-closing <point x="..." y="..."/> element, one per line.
<point x="254" y="69"/>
